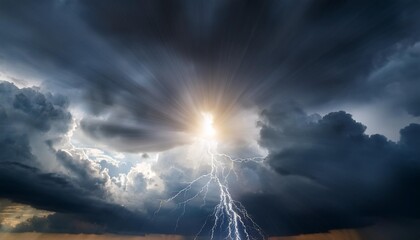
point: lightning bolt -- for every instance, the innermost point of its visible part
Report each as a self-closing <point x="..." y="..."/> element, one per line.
<point x="228" y="213"/>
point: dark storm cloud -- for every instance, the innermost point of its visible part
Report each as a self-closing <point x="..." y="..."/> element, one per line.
<point x="27" y="115"/>
<point x="151" y="62"/>
<point x="48" y="36"/>
<point x="78" y="209"/>
<point x="335" y="175"/>
<point x="316" y="49"/>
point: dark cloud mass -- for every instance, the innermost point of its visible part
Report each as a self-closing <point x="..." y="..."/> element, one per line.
<point x="120" y="84"/>
<point x="29" y="116"/>
<point x="346" y="177"/>
<point x="26" y="113"/>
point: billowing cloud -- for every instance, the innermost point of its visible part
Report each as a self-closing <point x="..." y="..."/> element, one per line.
<point x="335" y="175"/>
<point x="45" y="178"/>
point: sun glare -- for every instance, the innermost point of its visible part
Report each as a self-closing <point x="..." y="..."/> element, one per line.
<point x="207" y="129"/>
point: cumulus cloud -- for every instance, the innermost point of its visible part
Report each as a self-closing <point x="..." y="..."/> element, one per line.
<point x="55" y="180"/>
<point x="337" y="175"/>
<point x="26" y="115"/>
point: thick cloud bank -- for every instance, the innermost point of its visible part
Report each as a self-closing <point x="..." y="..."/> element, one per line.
<point x="335" y="175"/>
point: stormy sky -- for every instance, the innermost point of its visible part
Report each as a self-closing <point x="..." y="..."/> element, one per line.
<point x="100" y="102"/>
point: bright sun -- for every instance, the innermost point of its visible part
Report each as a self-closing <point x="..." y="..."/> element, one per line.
<point x="207" y="129"/>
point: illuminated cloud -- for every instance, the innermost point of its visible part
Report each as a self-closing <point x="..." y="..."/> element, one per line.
<point x="13" y="214"/>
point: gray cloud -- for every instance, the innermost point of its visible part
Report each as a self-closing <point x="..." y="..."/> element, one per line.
<point x="337" y="175"/>
<point x="25" y="115"/>
<point x="397" y="80"/>
<point x="75" y="188"/>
